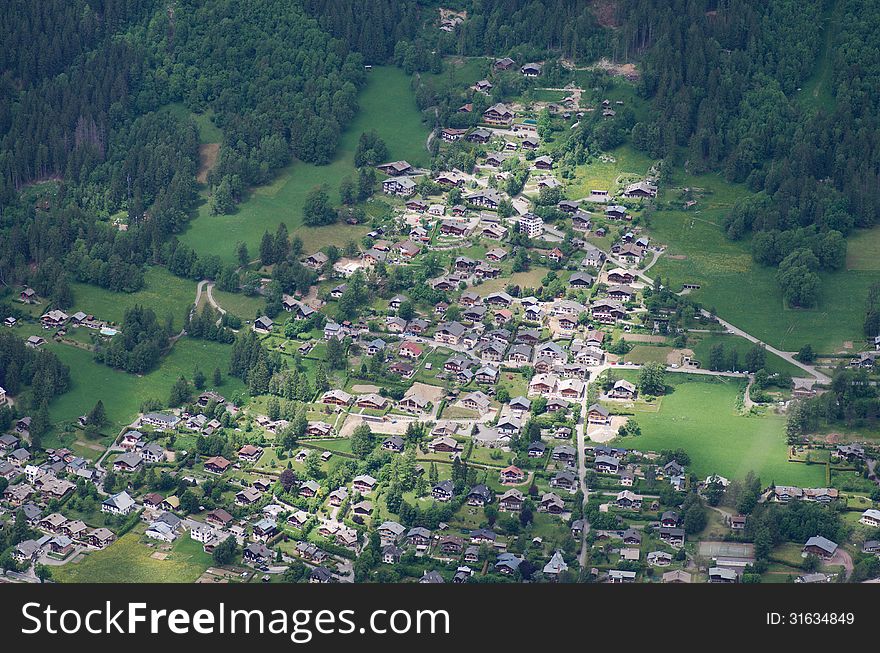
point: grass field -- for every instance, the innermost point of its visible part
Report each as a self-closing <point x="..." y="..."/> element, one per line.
<point x="604" y="175"/>
<point x="699" y="252"/>
<point x="129" y="561"/>
<point x="700" y="416"/>
<point x="163" y="292"/>
<point x="239" y="304"/>
<point x="123" y="393"/>
<point x="208" y="131"/>
<point x="702" y="343"/>
<point x="815" y="93"/>
<point x="386" y="95"/>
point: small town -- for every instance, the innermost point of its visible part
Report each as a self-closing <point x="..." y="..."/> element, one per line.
<point x="505" y="359"/>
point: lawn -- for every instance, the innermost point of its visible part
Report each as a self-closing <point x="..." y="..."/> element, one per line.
<point x="699" y="252"/>
<point x="123" y="393"/>
<point x="387" y="93"/>
<point x="163" y="292"/>
<point x="604" y="175"/>
<point x="129" y="561"/>
<point x="239" y="304"/>
<point x="702" y="343"/>
<point x="700" y="416"/>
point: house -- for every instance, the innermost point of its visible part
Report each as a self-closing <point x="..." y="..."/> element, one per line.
<point x="871" y="517"/>
<point x="309" y="489"/>
<point x="336" y="398"/>
<point x="256" y="553"/>
<point x="219" y="518"/>
<point x="395" y="443"/>
<point x="498" y="114"/>
<point x="555" y="566"/>
<point x="531" y="69"/>
<point x="431" y="577"/>
<point x="263" y="324"/>
<point x="35" y="341"/>
<point x="659" y="559"/>
<point x="669" y="519"/>
<point x="395" y="168"/>
<point x="537" y="449"/>
<point x="621" y="576"/>
<point x="503" y="64"/>
<point x="217" y="465"/>
<point x="543" y="163"/>
<point x="442" y="491"/>
<point x="487" y="198"/>
<point x="364" y="483"/>
<point x="118" y="504"/>
<point x="477" y="401"/>
<point x="451" y="135"/>
<point x="511" y="475"/>
<point x="479" y="136"/>
<point x="247" y="497"/>
<point x="628" y="500"/>
<point x="564" y="453"/>
<point x="511" y="501"/>
<point x="400" y="186"/>
<point x="606" y="464"/>
<point x="418" y="537"/>
<point x="371" y="401"/>
<point x="483" y="86"/>
<point x="672" y="536"/>
<point x="480" y="495"/>
<point x="677" y="576"/>
<point x="508" y="563"/>
<point x="551" y="503"/>
<point x="564" y="480"/>
<point x="640" y="189"/>
<point x="160" y="421"/>
<point x="623" y="389"/>
<point x="128" y="462"/>
<point x="598" y="414"/>
<point x="820" y="546"/>
<point x="444" y="444"/>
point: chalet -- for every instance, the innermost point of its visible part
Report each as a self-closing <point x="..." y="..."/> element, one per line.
<point x="503" y="64"/>
<point x="531" y="69"/>
<point x="488" y="198"/>
<point x="364" y="483"/>
<point x="35" y="341"/>
<point x="672" y="536"/>
<point x="480" y="495"/>
<point x="400" y="186"/>
<point x="511" y="475"/>
<point x="628" y="500"/>
<point x="511" y="501"/>
<point x="483" y="86"/>
<point x="219" y="518"/>
<point x="444" y="444"/>
<point x="217" y="465"/>
<point x="54" y="319"/>
<point x="479" y="136"/>
<point x="543" y="163"/>
<point x="621" y="293"/>
<point x="395" y="168"/>
<point x="416" y="205"/>
<point x="498" y="114"/>
<point x="419" y="537"/>
<point x="263" y="324"/>
<point x="128" y="462"/>
<point x="564" y="453"/>
<point x="820" y="546"/>
<point x="615" y="212"/>
<point x="118" y="504"/>
<point x="536" y="449"/>
<point x="564" y="480"/>
<point x="621" y="576"/>
<point x="449" y="333"/>
<point x="606" y="464"/>
<point x="394" y="443"/>
<point x="451" y="135"/>
<point x="247" y="497"/>
<point x="640" y="189"/>
<point x="623" y="389"/>
<point x="372" y="401"/>
<point x="336" y="398"/>
<point x="871" y="517"/>
<point x="319" y="429"/>
<point x="552" y="504"/>
<point x="309" y="489"/>
<point x="669" y="519"/>
<point x="442" y="491"/>
<point x="568" y="206"/>
<point x="250" y="453"/>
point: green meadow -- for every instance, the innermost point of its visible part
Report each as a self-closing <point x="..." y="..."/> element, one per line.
<point x="386" y="106"/>
<point x="123" y="393"/>
<point x="700" y="415"/>
<point x="163" y="292"/>
<point x="744" y="292"/>
<point x="129" y="561"/>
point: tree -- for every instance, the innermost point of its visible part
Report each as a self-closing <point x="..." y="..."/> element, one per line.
<point x="180" y="392"/>
<point x="199" y="379"/>
<point x="317" y="210"/>
<point x="652" y="379"/>
<point x="287" y="479"/>
<point x="42" y="572"/>
<point x="97" y="417"/>
<point x="806" y="354"/>
<point x="362" y="441"/>
<point x="225" y="552"/>
<point x="218" y="377"/>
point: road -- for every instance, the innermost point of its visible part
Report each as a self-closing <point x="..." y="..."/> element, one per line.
<point x="784" y="355"/>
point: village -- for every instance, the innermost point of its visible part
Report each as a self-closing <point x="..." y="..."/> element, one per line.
<point x="482" y="429"/>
